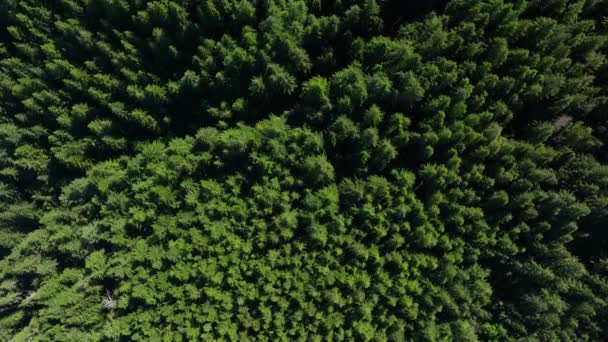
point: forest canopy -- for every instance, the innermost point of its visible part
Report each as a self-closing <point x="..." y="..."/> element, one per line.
<point x="304" y="170"/>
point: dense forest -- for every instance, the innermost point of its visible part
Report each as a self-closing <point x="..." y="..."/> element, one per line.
<point x="303" y="170"/>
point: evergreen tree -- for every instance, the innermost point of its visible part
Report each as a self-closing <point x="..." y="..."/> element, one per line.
<point x="303" y="170"/>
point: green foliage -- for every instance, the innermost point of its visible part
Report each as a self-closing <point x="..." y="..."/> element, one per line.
<point x="303" y="170"/>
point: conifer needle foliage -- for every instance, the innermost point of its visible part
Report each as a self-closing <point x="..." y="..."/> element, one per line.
<point x="304" y="170"/>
